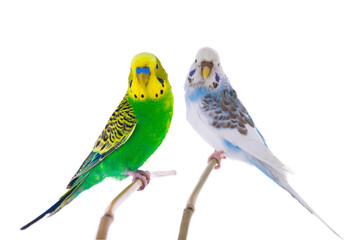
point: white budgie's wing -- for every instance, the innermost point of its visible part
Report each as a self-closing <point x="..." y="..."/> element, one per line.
<point x="226" y="116"/>
<point x="230" y="120"/>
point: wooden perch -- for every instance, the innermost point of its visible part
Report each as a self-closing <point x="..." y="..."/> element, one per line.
<point x="190" y="208"/>
<point x="108" y="216"/>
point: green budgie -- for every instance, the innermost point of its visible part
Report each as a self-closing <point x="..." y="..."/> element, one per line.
<point x="134" y="131"/>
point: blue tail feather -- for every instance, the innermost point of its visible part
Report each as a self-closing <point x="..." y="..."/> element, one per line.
<point x="51" y="209"/>
<point x="262" y="168"/>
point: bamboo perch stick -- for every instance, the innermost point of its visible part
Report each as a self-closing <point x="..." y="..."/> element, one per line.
<point x="190" y="208"/>
<point x="108" y="216"/>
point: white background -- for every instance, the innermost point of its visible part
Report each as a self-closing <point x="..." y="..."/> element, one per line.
<point x="295" y="66"/>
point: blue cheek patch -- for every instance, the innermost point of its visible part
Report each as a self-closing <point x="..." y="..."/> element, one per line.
<point x="144" y="70"/>
<point x="192" y="72"/>
<point x="161" y="81"/>
<point x="217" y="77"/>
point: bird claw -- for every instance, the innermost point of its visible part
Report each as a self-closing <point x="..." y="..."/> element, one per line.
<point x="218" y="155"/>
<point x="143" y="176"/>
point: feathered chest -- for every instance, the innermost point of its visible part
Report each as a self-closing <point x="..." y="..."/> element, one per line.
<point x="154" y="114"/>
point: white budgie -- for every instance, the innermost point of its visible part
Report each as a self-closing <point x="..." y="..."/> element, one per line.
<point x="216" y="113"/>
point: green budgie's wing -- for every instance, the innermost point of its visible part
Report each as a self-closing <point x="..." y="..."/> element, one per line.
<point x="117" y="131"/>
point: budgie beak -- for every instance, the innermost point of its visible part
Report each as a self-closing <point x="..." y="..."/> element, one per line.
<point x="143" y="75"/>
<point x="143" y="79"/>
<point x="206" y="68"/>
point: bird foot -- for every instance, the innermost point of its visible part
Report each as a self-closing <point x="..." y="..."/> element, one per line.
<point x="144" y="176"/>
<point x="218" y="155"/>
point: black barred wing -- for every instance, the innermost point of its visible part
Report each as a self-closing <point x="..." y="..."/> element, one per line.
<point x="226" y="111"/>
<point x="116" y="132"/>
<point x="118" y="129"/>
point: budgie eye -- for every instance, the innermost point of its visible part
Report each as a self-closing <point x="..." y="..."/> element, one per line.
<point x="218" y="64"/>
<point x="156" y="66"/>
<point x="195" y="60"/>
<point x="130" y="69"/>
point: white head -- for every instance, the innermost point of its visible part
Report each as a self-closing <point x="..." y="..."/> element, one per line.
<point x="206" y="70"/>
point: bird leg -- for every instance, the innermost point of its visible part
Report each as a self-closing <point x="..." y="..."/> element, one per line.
<point x="218" y="155"/>
<point x="144" y="176"/>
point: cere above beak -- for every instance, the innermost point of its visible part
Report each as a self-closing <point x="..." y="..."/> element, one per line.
<point x="143" y="75"/>
<point x="206" y="68"/>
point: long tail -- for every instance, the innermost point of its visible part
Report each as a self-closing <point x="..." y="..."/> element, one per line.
<point x="65" y="199"/>
<point x="280" y="178"/>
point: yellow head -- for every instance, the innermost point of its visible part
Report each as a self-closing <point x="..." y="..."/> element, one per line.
<point x="147" y="78"/>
